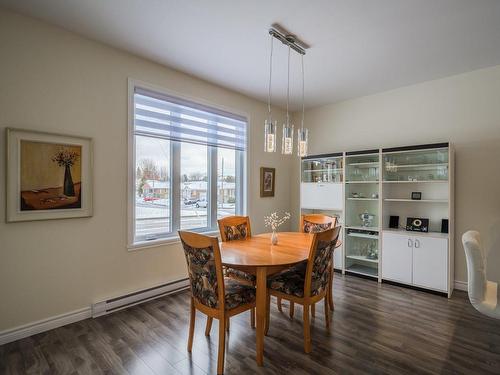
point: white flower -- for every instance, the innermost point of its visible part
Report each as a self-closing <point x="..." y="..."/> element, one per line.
<point x="274" y="221"/>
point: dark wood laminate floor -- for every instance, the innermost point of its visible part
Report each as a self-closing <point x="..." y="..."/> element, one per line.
<point x="376" y="329"/>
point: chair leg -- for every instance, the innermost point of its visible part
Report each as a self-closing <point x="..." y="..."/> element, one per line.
<point x="252" y="317"/>
<point x="268" y="313"/>
<point x="330" y="290"/>
<point x="313" y="310"/>
<point x="307" y="330"/>
<point x="292" y="309"/>
<point x="222" y="345"/>
<point x="208" y="328"/>
<point x="192" y="320"/>
<point x="280" y="309"/>
<point x="227" y="323"/>
<point x="327" y="312"/>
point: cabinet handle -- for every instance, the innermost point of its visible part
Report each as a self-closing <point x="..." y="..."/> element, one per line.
<point x="410" y="242"/>
<point x="417" y="244"/>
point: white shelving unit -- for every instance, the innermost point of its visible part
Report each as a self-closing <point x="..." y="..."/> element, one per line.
<point x="380" y="182"/>
<point x="322" y="191"/>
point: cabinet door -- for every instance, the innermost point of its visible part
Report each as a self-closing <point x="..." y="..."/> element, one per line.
<point x="396" y="257"/>
<point x="430" y="263"/>
<point x="321" y="195"/>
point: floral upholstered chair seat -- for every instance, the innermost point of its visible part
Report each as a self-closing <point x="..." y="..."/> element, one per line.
<point x="288" y="282"/>
<point x="237" y="274"/>
<point x="292" y="281"/>
<point x="310" y="227"/>
<point x="203" y="277"/>
<point x="237" y="294"/>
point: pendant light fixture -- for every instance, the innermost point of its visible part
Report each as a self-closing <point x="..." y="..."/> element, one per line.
<point x="302" y="133"/>
<point x="270" y="126"/>
<point x="287" y="141"/>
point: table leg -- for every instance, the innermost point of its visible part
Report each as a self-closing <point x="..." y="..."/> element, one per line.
<point x="261" y="312"/>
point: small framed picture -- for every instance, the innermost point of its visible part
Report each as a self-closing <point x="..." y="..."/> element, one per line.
<point x="49" y="176"/>
<point x="416" y="195"/>
<point x="267" y="179"/>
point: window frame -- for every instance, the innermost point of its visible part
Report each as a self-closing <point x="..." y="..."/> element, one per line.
<point x="241" y="168"/>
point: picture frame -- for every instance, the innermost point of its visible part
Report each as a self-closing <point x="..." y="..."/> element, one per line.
<point x="48" y="176"/>
<point x="416" y="195"/>
<point x="267" y="181"/>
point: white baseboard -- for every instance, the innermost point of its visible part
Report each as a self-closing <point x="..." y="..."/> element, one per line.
<point x="114" y="304"/>
<point x="461" y="285"/>
<point x="43" y="325"/>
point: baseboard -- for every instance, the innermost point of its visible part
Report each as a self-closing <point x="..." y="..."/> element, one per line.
<point x="43" y="325"/>
<point x="461" y="285"/>
<point x="106" y="307"/>
<point x="128" y="300"/>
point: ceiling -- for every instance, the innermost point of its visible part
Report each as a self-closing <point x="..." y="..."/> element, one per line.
<point x="358" y="47"/>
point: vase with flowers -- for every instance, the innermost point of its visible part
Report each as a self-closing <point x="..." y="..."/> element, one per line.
<point x="66" y="158"/>
<point x="274" y="221"/>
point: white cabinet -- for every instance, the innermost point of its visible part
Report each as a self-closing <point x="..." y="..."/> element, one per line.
<point x="430" y="263"/>
<point x="338" y="257"/>
<point x="416" y="259"/>
<point x="321" y="195"/>
<point x="397" y="258"/>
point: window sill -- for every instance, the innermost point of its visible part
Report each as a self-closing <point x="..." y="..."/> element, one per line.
<point x="163" y="242"/>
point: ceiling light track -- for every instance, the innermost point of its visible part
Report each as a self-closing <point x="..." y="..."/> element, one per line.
<point x="288" y="39"/>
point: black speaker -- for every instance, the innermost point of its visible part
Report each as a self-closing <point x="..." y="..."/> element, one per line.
<point x="444" y="226"/>
<point x="394" y="222"/>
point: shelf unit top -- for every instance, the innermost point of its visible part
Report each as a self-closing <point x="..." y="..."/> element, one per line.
<point x="416" y="200"/>
<point x="404" y="232"/>
<point x="415" y="182"/>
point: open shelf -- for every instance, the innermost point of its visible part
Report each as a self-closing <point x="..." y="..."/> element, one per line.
<point x="415" y="182"/>
<point x="368" y="229"/>
<point x="363" y="199"/>
<point x="362" y="258"/>
<point x="323" y="170"/>
<point x="371" y="164"/>
<point x="416" y="200"/>
<point x="419" y="166"/>
<point x="363" y="235"/>
<point x="362" y="182"/>
<point x="362" y="270"/>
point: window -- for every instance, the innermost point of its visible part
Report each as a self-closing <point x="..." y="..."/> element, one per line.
<point x="188" y="166"/>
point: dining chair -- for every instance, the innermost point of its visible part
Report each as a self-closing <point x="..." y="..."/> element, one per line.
<point x="314" y="223"/>
<point x="237" y="228"/>
<point x="211" y="293"/>
<point x="309" y="286"/>
<point x="484" y="295"/>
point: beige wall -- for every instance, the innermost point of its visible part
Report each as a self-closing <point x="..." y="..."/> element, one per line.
<point x="53" y="80"/>
<point x="463" y="109"/>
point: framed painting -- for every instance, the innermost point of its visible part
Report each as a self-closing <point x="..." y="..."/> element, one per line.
<point x="267" y="179"/>
<point x="49" y="176"/>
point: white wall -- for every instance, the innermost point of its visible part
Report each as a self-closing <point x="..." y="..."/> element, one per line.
<point x="52" y="80"/>
<point x="463" y="109"/>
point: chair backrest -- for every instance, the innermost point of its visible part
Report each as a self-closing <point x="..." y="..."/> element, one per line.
<point x="320" y="257"/>
<point x="234" y="228"/>
<point x="476" y="266"/>
<point x="205" y="268"/>
<point x="314" y="223"/>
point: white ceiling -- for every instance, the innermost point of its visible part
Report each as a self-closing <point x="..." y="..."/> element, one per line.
<point x="358" y="47"/>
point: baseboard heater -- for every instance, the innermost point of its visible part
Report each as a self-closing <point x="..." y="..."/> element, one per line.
<point x="135" y="298"/>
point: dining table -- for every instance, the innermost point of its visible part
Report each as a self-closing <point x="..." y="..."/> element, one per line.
<point x="257" y="256"/>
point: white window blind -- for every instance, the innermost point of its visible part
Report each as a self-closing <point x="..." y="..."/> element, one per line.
<point x="175" y="119"/>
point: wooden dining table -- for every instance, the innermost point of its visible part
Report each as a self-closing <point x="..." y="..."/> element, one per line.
<point x="256" y="255"/>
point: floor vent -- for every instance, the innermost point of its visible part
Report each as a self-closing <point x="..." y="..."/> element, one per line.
<point x="135" y="298"/>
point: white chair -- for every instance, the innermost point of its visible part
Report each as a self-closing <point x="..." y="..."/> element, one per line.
<point x="483" y="294"/>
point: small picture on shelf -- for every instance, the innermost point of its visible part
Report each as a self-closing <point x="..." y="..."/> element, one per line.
<point x="416" y="195"/>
